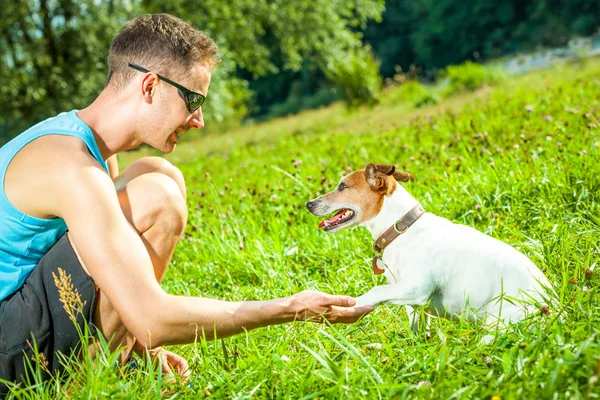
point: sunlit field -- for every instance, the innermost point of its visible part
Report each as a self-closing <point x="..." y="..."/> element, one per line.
<point x="518" y="160"/>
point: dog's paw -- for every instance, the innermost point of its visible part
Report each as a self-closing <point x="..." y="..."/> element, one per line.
<point x="366" y="300"/>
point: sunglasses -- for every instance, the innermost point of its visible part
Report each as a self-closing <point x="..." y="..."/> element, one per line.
<point x="193" y="100"/>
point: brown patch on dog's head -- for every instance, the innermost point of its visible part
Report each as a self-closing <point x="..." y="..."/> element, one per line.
<point x="379" y="177"/>
<point x="362" y="192"/>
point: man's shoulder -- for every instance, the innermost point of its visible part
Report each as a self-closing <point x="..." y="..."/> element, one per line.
<point x="68" y="158"/>
<point x="59" y="151"/>
<point x="48" y="170"/>
<point x="67" y="143"/>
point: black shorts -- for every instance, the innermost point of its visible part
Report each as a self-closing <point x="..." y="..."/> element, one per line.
<point x="36" y="312"/>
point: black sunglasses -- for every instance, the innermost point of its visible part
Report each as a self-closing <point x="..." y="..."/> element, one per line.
<point x="193" y="100"/>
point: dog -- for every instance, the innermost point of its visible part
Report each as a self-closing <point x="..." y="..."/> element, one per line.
<point x="450" y="269"/>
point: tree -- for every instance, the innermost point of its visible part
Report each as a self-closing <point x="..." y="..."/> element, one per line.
<point x="54" y="51"/>
<point x="391" y="38"/>
<point x="436" y="33"/>
<point x="53" y="57"/>
<point x="266" y="37"/>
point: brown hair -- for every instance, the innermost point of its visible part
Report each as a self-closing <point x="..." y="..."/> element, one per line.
<point x="160" y="43"/>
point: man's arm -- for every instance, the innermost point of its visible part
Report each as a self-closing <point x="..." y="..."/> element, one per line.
<point x="113" y="166"/>
<point x="117" y="259"/>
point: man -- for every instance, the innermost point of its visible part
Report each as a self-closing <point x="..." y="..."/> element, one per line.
<point x="66" y="215"/>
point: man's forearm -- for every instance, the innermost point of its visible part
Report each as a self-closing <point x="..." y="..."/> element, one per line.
<point x="186" y="319"/>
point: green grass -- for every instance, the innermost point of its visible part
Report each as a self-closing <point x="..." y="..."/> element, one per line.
<point x="519" y="161"/>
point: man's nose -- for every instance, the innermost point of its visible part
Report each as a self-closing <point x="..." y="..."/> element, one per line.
<point x="197" y="120"/>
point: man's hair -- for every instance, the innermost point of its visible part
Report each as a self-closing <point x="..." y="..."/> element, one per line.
<point x="160" y="43"/>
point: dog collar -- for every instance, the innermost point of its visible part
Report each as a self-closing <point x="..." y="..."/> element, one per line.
<point x="392" y="233"/>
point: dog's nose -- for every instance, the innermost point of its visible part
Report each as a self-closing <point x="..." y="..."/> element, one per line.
<point x="310" y="205"/>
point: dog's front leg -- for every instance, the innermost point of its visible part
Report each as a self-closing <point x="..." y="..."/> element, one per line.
<point x="402" y="294"/>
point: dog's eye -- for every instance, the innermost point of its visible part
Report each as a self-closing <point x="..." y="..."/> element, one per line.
<point x="341" y="186"/>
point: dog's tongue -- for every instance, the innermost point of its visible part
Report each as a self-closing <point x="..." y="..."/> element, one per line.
<point x="331" y="220"/>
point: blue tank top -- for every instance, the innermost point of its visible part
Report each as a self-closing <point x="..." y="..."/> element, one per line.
<point x="25" y="239"/>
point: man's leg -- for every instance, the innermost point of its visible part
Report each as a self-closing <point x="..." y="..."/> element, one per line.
<point x="150" y="164"/>
<point x="152" y="196"/>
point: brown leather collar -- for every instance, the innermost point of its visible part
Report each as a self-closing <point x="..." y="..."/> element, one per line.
<point x="398" y="228"/>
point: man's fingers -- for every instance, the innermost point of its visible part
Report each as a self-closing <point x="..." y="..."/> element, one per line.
<point x="183" y="369"/>
<point x="340" y="301"/>
<point x="178" y="363"/>
<point x="352" y="311"/>
<point x="363" y="310"/>
<point x="166" y="367"/>
<point x="349" y="314"/>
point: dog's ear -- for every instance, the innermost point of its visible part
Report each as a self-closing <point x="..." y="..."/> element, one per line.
<point x="385" y="168"/>
<point x="377" y="174"/>
<point x="403" y="176"/>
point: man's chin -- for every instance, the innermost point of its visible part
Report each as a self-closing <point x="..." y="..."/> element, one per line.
<point x="170" y="148"/>
<point x="165" y="148"/>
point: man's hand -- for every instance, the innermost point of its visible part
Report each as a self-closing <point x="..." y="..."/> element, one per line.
<point x="316" y="306"/>
<point x="171" y="363"/>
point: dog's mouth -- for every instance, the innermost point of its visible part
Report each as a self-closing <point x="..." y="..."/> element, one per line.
<point x="342" y="216"/>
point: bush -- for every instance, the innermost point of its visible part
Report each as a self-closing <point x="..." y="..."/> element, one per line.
<point x="411" y="92"/>
<point x="229" y="99"/>
<point x="470" y="76"/>
<point x="427" y="99"/>
<point x="356" y="72"/>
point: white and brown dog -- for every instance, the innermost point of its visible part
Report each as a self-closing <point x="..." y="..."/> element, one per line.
<point x="451" y="269"/>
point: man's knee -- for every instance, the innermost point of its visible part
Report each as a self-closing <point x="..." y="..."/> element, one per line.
<point x="154" y="200"/>
<point x="166" y="168"/>
<point x="169" y="203"/>
<point x="146" y="165"/>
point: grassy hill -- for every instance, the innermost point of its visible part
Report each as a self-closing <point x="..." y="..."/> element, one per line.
<point x="518" y="160"/>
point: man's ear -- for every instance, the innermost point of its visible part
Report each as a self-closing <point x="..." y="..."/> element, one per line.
<point x="403" y="176"/>
<point x="149" y="83"/>
<point x="377" y="174"/>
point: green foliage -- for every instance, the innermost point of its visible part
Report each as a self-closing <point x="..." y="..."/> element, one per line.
<point x="391" y="38"/>
<point x="523" y="165"/>
<point x="437" y="33"/>
<point x="54" y="52"/>
<point x="265" y="37"/>
<point x="297" y="102"/>
<point x="413" y="92"/>
<point x="230" y="97"/>
<point x="427" y="100"/>
<point x="357" y="76"/>
<point x="471" y="76"/>
<point x="53" y="57"/>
